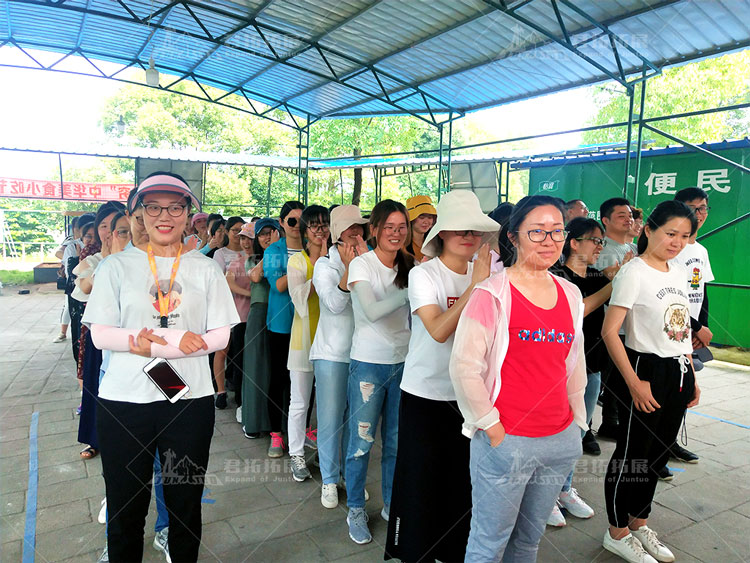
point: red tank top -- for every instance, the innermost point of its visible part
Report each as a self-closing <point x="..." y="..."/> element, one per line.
<point x="533" y="399"/>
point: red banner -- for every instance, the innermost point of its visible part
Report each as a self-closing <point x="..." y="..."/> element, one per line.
<point x="76" y="191"/>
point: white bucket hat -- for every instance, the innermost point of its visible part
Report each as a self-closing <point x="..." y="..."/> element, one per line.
<point x="459" y="210"/>
<point x="343" y="217"/>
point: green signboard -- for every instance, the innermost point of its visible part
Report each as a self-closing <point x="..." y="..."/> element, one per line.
<point x="663" y="172"/>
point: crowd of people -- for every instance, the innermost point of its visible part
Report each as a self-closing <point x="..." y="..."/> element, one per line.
<point x="479" y="344"/>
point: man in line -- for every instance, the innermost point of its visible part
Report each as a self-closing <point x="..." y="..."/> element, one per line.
<point x="617" y="218"/>
<point x="575" y="208"/>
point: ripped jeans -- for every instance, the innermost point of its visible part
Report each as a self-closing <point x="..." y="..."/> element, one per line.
<point x="374" y="390"/>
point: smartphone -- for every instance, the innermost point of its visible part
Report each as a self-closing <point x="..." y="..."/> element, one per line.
<point x="164" y="376"/>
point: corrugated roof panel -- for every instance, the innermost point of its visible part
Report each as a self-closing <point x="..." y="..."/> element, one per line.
<point x="310" y="18"/>
<point x="462" y="52"/>
<point x="32" y="23"/>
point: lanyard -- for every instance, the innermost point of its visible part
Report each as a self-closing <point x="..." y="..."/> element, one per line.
<point x="163" y="299"/>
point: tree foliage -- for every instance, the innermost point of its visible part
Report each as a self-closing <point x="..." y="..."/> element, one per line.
<point x="701" y="85"/>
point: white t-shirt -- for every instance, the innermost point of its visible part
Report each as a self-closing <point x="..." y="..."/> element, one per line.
<point x="124" y="296"/>
<point x="333" y="338"/>
<point x="385" y="341"/>
<point x="224" y="257"/>
<point x="426" y="369"/>
<point x="658" y="321"/>
<point x="695" y="258"/>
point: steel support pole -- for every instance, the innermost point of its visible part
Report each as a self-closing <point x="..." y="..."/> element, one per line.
<point x="638" y="149"/>
<point x="440" y="162"/>
<point x="450" y="149"/>
<point x="628" y="142"/>
<point x="59" y="163"/>
<point x="268" y="193"/>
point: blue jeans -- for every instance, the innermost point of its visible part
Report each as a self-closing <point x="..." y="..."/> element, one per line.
<point x="373" y="391"/>
<point x="514" y="487"/>
<point x="589" y="398"/>
<point x="331" y="380"/>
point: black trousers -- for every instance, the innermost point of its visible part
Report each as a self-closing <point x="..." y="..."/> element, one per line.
<point x="279" y="389"/>
<point x="129" y="434"/>
<point x="610" y="400"/>
<point x="235" y="359"/>
<point x="644" y="438"/>
<point x="76" y="309"/>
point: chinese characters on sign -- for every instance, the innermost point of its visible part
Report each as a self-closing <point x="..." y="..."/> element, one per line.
<point x="665" y="183"/>
<point x="46" y="189"/>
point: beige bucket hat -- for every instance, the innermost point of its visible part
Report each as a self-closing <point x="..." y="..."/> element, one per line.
<point x="343" y="217"/>
<point x="459" y="210"/>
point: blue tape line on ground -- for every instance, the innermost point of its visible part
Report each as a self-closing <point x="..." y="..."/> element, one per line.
<point x="721" y="419"/>
<point x="29" y="534"/>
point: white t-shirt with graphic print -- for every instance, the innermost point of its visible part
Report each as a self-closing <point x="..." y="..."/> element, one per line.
<point x="124" y="296"/>
<point x="426" y="369"/>
<point x="695" y="258"/>
<point x="658" y="321"/>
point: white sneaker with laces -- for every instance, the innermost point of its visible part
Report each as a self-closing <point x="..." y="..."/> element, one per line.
<point x="629" y="548"/>
<point x="300" y="472"/>
<point x="556" y="518"/>
<point x="574" y="504"/>
<point x="651" y="543"/>
<point x="329" y="495"/>
<point x="102" y="518"/>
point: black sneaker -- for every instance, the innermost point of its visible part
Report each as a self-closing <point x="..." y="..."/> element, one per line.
<point x="251" y="435"/>
<point x="221" y="401"/>
<point x="665" y="474"/>
<point x="590" y="445"/>
<point x="676" y="451"/>
<point x="608" y="430"/>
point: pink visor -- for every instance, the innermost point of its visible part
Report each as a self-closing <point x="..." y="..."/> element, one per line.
<point x="167" y="183"/>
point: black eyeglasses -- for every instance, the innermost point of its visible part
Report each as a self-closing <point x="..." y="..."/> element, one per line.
<point x="174" y="209"/>
<point x="703" y="209"/>
<point x="596" y="240"/>
<point x="467" y="233"/>
<point x="323" y="227"/>
<point x="540" y="235"/>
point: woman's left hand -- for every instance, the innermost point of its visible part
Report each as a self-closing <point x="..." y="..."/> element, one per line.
<point x="141" y="344"/>
<point x="696" y="397"/>
<point x="192" y="342"/>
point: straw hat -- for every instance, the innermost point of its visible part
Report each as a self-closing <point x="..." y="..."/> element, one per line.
<point x="459" y="210"/>
<point x="418" y="205"/>
<point x="343" y="217"/>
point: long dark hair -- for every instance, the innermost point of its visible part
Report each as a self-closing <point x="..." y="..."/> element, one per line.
<point x="310" y="215"/>
<point x="287" y="208"/>
<point x="257" y="248"/>
<point x="578" y="227"/>
<point x="232" y="221"/>
<point x="508" y="252"/>
<point x="104" y="210"/>
<point x="661" y="214"/>
<point x="404" y="262"/>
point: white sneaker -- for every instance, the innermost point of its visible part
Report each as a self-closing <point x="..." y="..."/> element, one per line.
<point x="651" y="543"/>
<point x="102" y="518"/>
<point x="238" y="415"/>
<point x="556" y="518"/>
<point x="574" y="504"/>
<point x="629" y="548"/>
<point x="60" y="338"/>
<point x="329" y="495"/>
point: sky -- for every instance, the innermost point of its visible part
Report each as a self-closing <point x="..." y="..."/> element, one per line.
<point x="55" y="109"/>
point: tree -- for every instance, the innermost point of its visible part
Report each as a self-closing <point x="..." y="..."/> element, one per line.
<point x="704" y="84"/>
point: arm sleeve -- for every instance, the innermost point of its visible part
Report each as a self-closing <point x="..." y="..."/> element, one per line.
<point x="625" y="287"/>
<point x="118" y="340"/>
<point x="299" y="285"/>
<point x="273" y="266"/>
<point x="469" y="363"/>
<point x="326" y="281"/>
<point x="374" y="309"/>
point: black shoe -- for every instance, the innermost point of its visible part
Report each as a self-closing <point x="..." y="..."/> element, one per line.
<point x="608" y="430"/>
<point x="221" y="401"/>
<point x="665" y="474"/>
<point x="590" y="445"/>
<point x="676" y="451"/>
<point x="252" y="435"/>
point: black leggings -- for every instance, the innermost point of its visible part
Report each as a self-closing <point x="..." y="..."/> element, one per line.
<point x="234" y="360"/>
<point x="129" y="434"/>
<point x="279" y="389"/>
<point x="644" y="438"/>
